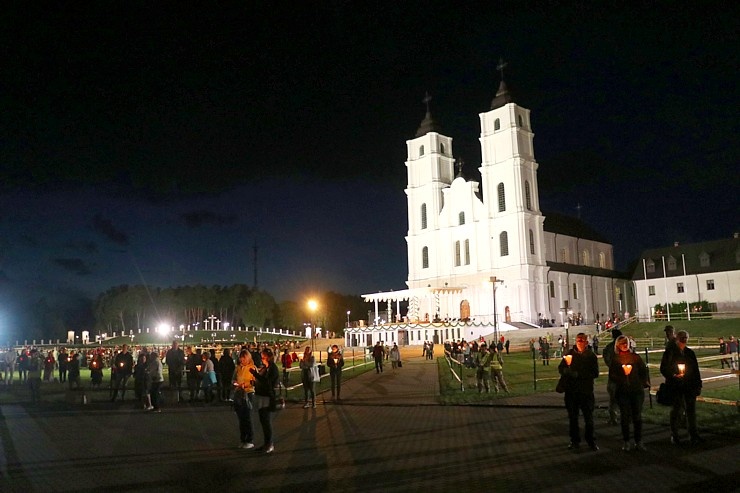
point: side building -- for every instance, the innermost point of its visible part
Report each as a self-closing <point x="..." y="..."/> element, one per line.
<point x="700" y="276"/>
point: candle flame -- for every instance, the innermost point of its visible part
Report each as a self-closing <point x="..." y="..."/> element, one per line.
<point x="568" y="359"/>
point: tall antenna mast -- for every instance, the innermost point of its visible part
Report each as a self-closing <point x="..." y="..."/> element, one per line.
<point x="254" y="249"/>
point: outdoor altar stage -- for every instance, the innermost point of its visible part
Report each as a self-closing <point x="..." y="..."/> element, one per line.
<point x="416" y="333"/>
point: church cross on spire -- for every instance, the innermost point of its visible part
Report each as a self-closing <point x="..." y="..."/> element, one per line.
<point x="501" y="66"/>
<point x="426" y="100"/>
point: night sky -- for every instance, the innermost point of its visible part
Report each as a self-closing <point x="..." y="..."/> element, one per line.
<point x="152" y="144"/>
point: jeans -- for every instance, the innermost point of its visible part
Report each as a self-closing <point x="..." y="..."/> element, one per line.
<point x="266" y="422"/>
<point x="244" y="414"/>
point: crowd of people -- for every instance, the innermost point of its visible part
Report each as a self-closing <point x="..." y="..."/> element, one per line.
<point x="250" y="382"/>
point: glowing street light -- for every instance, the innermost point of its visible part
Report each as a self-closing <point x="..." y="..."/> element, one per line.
<point x="313" y="305"/>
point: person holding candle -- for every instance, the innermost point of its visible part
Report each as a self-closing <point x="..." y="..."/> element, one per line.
<point x="681" y="371"/>
<point x="336" y="362"/>
<point x="580" y="367"/>
<point x="266" y="378"/>
<point x="96" y="369"/>
<point x="243" y="383"/>
<point x="73" y="370"/>
<point x="124" y="365"/>
<point x="628" y="376"/>
<point x="49" y="364"/>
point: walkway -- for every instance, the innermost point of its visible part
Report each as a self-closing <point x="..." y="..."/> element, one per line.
<point x="388" y="435"/>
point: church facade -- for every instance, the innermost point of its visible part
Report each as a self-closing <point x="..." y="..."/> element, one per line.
<point x="480" y="253"/>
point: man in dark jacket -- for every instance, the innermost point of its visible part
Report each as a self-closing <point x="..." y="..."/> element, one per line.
<point x="580" y="370"/>
<point x="175" y="360"/>
<point x="681" y="371"/>
<point x="378" y="354"/>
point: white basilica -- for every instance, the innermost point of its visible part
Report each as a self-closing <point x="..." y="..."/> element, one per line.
<point x="480" y="253"/>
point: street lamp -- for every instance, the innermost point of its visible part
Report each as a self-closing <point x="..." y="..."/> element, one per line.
<point x="348" y="312"/>
<point x="495" y="281"/>
<point x="313" y="306"/>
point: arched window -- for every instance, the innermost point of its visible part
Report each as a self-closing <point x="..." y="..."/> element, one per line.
<point x="528" y="195"/>
<point x="531" y="242"/>
<point x="457" y="254"/>
<point x="461" y="218"/>
<point x="650" y="265"/>
<point x="441" y="148"/>
<point x="671" y="263"/>
<point x="586" y="257"/>
<point x="503" y="240"/>
<point x="564" y="255"/>
<point x="425" y="258"/>
<point x="421" y="151"/>
<point x="496" y="124"/>
<point x="552" y="289"/>
<point x="423" y="216"/>
<point x="520" y="120"/>
<point x="501" y="198"/>
<point x="467" y="252"/>
<point x="602" y="260"/>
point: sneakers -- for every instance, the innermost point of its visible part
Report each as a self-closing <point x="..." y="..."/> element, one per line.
<point x="639" y="446"/>
<point x="269" y="449"/>
<point x="305" y="406"/>
<point x="246" y="445"/>
<point x="626" y="446"/>
<point x="593" y="447"/>
<point x="149" y="408"/>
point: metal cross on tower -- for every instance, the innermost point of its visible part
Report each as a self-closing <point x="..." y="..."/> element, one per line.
<point x="501" y="66"/>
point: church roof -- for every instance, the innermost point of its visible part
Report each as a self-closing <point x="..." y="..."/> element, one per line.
<point x="701" y="258"/>
<point x="503" y="96"/>
<point x="571" y="226"/>
<point x="585" y="270"/>
<point x="428" y="124"/>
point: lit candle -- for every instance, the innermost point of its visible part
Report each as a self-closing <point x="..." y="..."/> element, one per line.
<point x="120" y="364"/>
<point x="627" y="369"/>
<point x="568" y="358"/>
<point x="336" y="361"/>
<point x="681" y="368"/>
<point x="197" y="367"/>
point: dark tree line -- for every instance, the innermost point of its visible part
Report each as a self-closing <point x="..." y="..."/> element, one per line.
<point x="125" y="308"/>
